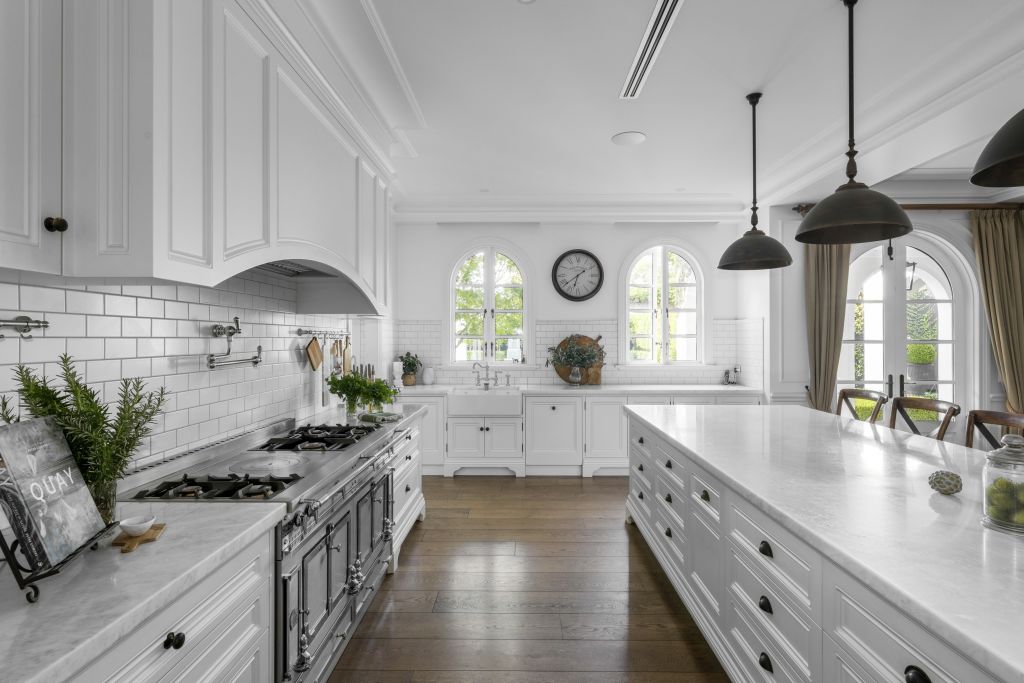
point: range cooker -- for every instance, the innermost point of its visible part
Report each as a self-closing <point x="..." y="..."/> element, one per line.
<point x="334" y="544"/>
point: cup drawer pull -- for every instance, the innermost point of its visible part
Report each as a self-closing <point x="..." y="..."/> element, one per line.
<point x="765" y="548"/>
<point x="766" y="662"/>
<point x="914" y="675"/>
<point x="765" y="604"/>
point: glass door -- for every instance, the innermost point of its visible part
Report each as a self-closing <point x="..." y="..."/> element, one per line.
<point x="899" y="335"/>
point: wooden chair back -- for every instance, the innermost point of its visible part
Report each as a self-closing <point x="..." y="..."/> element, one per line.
<point x="846" y="396"/>
<point x="901" y="404"/>
<point x="978" y="419"/>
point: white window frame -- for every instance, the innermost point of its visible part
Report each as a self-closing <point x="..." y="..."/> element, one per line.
<point x="624" y="307"/>
<point x="491" y="248"/>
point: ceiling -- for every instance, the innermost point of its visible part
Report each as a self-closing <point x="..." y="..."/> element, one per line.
<point x="510" y="102"/>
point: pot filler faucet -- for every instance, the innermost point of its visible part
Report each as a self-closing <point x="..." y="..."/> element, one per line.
<point x="487" y="375"/>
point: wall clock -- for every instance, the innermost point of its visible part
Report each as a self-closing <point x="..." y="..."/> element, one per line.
<point x="577" y="275"/>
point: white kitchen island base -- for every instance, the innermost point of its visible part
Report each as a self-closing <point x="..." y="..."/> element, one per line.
<point x="809" y="547"/>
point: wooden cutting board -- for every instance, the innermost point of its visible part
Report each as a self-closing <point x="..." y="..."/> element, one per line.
<point x="346" y="362"/>
<point x="314" y="353"/>
<point x="130" y="543"/>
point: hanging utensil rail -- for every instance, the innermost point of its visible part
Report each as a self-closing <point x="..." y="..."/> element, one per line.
<point x="323" y="334"/>
<point x="24" y="325"/>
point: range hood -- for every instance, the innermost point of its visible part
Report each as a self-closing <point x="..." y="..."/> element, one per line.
<point x="321" y="288"/>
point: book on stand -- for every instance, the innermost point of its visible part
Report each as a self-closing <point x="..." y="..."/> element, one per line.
<point x="42" y="493"/>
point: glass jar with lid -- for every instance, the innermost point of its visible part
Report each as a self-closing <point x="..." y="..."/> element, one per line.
<point x="1004" y="486"/>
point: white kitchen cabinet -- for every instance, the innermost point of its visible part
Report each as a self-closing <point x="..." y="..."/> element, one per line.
<point x="432" y="431"/>
<point x="554" y="433"/>
<point x="649" y="399"/>
<point x="408" y="503"/>
<point x="225" y="624"/>
<point x="484" y="442"/>
<point x="604" y="443"/>
<point x="30" y="134"/>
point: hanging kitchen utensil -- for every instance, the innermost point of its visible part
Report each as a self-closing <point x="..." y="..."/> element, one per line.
<point x="314" y="353"/>
<point x="346" y="367"/>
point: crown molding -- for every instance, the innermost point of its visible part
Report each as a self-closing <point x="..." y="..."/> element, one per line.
<point x="396" y="65"/>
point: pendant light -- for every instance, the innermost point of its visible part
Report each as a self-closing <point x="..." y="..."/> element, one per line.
<point x="853" y="214"/>
<point x="1001" y="163"/>
<point x="754" y="250"/>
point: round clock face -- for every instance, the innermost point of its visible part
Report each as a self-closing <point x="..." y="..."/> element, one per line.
<point x="577" y="275"/>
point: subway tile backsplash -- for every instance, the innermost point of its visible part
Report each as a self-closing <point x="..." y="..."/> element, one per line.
<point x="732" y="343"/>
<point x="161" y="331"/>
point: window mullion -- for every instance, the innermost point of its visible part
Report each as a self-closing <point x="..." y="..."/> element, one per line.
<point x="665" y="358"/>
<point x="489" y="302"/>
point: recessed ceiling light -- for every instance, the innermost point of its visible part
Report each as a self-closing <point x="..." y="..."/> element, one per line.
<point x="484" y="189"/>
<point x="526" y="2"/>
<point x="629" y="137"/>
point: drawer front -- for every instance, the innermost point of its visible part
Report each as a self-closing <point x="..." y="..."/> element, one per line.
<point x="640" y="498"/>
<point x="884" y="641"/>
<point x="758" y="656"/>
<point x="706" y="575"/>
<point x="407" y="485"/>
<point x="705" y="494"/>
<point x="670" y="500"/>
<point x="641" y="470"/>
<point x="239" y="587"/>
<point x="785" y="623"/>
<point x="672" y="541"/>
<point x="670" y="463"/>
<point x="837" y="665"/>
<point x="641" y="439"/>
<point x="787" y="561"/>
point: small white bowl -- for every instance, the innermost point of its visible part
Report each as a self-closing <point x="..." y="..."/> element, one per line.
<point x="136" y="526"/>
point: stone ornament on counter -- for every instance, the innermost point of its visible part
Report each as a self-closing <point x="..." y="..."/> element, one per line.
<point x="945" y="482"/>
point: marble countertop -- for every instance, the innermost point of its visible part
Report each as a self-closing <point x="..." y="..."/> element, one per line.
<point x="104" y="594"/>
<point x="544" y="389"/>
<point x="859" y="494"/>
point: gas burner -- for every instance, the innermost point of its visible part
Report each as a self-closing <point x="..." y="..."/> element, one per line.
<point x="322" y="437"/>
<point x="230" y="486"/>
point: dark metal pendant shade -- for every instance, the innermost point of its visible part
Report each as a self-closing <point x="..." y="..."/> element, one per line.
<point x="754" y="250"/>
<point x="854" y="213"/>
<point x="1001" y="163"/>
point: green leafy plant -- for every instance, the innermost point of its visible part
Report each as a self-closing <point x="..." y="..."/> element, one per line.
<point x="410" y="363"/>
<point x="352" y="387"/>
<point x="920" y="354"/>
<point x="576" y="355"/>
<point x="101" y="443"/>
<point x="378" y="393"/>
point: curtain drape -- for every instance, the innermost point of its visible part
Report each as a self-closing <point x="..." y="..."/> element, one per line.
<point x="998" y="236"/>
<point x="825" y="280"/>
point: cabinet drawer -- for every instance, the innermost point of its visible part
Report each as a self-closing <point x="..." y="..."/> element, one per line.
<point x="837" y="665"/>
<point x="883" y="640"/>
<point x="705" y="494"/>
<point x="670" y="500"/>
<point x="640" y="470"/>
<point x="641" y="439"/>
<point x="786" y="624"/>
<point x="238" y="590"/>
<point x="787" y="561"/>
<point x="672" y="540"/>
<point x="758" y="656"/>
<point x="670" y="463"/>
<point x="407" y="485"/>
<point x="641" y="500"/>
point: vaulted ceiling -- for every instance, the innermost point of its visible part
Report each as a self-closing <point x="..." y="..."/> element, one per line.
<point x="504" y="101"/>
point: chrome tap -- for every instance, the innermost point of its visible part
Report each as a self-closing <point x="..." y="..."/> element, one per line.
<point x="487" y="374"/>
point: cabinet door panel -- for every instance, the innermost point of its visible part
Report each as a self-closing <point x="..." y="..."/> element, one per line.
<point x="30" y="134"/>
<point x="606" y="427"/>
<point x="314" y="590"/>
<point x="504" y="437"/>
<point x="366" y="240"/>
<point x="340" y="545"/>
<point x="466" y="437"/>
<point x="432" y="431"/>
<point x="554" y="431"/>
<point x="706" y="565"/>
<point x="316" y="175"/>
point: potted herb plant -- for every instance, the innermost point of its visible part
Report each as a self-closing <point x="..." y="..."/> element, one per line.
<point x="411" y="364"/>
<point x="379" y="393"/>
<point x="573" y="354"/>
<point x="351" y="387"/>
<point x="102" y="444"/>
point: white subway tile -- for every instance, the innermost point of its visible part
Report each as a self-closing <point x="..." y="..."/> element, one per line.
<point x="42" y="299"/>
<point x="120" y="348"/>
<point x="118" y="305"/>
<point x="150" y="308"/>
<point x="103" y="326"/>
<point x="102" y="370"/>
<point x="136" y="327"/>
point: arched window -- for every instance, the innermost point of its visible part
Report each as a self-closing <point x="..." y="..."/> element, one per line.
<point x="488" y="309"/>
<point x="663" y="309"/>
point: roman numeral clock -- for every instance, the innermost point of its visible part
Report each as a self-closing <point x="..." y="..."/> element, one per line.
<point x="577" y="275"/>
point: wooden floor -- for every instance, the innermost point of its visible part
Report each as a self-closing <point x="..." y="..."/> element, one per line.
<point x="527" y="581"/>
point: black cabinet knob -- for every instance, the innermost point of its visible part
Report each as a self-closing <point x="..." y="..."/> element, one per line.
<point x="55" y="224"/>
<point x="765" y="549"/>
<point x="640" y="441"/>
<point x="766" y="662"/>
<point x="408" y="457"/>
<point x="481" y="429"/>
<point x="668" y="532"/>
<point x="408" y="488"/>
<point x="914" y="675"/>
<point x="640" y="467"/>
<point x="668" y="497"/>
<point x="487" y="429"/>
<point x="175" y="640"/>
<point x="552" y="407"/>
<point x="705" y="496"/>
<point x="640" y="495"/>
<point x="765" y="604"/>
<point x="668" y="464"/>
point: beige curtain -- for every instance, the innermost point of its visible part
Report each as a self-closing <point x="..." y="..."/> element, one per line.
<point x="999" y="247"/>
<point x="825" y="279"/>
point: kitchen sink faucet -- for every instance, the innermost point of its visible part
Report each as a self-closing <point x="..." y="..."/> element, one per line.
<point x="487" y="375"/>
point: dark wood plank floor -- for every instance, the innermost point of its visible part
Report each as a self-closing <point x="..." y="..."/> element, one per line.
<point x="527" y="581"/>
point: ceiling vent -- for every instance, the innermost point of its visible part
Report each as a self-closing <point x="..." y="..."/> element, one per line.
<point x="288" y="269"/>
<point x="654" y="37"/>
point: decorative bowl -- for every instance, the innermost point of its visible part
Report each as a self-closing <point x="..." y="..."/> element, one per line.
<point x="136" y="526"/>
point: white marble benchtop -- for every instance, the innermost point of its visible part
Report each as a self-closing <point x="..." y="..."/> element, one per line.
<point x="104" y="594"/>
<point x="859" y="494"/>
<point x="587" y="389"/>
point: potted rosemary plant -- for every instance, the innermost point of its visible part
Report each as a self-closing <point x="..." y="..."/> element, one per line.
<point x="102" y="444"/>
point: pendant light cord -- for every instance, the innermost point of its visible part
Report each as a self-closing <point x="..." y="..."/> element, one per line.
<point x="754" y="98"/>
<point x="851" y="165"/>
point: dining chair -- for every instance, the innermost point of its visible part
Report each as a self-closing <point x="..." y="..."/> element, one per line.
<point x="979" y="419"/>
<point x="901" y="404"/>
<point x="845" y="396"/>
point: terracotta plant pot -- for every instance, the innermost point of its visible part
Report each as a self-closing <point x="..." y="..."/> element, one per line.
<point x="409" y="379"/>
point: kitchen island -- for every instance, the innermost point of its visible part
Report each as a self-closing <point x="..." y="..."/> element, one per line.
<point x="811" y="546"/>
